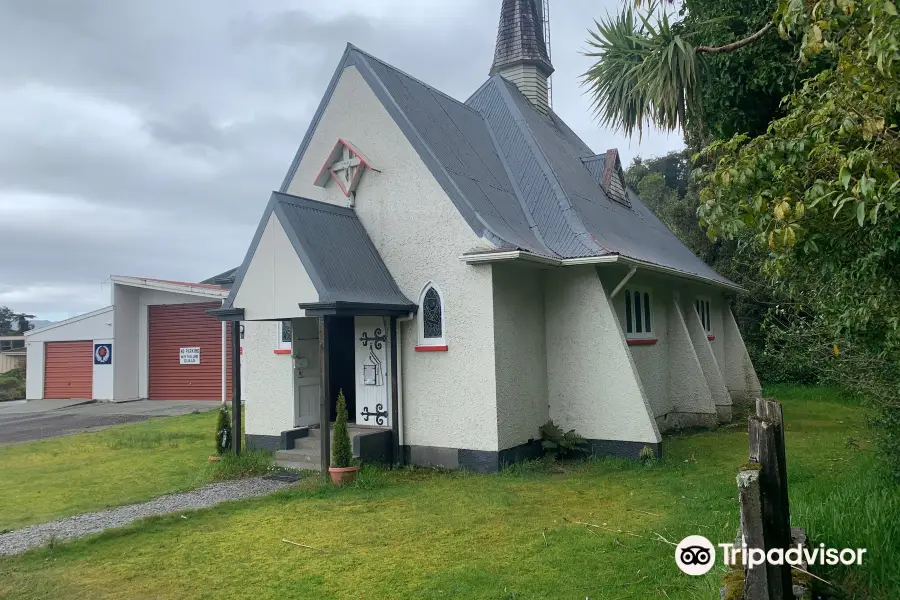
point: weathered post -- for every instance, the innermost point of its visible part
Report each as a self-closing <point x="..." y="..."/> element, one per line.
<point x="756" y="582"/>
<point x="765" y="449"/>
<point x="771" y="411"/>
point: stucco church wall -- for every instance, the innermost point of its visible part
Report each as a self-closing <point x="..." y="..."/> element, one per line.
<point x="592" y="380"/>
<point x="519" y="340"/>
<point x="740" y="376"/>
<point x="666" y="368"/>
<point x="276" y="281"/>
<point x="650" y="360"/>
<point x="269" y="393"/>
<point x="449" y="397"/>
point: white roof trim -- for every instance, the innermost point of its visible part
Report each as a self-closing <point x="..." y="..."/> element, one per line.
<point x="493" y="257"/>
<point x="507" y="255"/>
<point x="166" y="286"/>
<point x="69" y="320"/>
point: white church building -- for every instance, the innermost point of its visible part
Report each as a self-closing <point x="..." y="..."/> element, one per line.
<point x="465" y="271"/>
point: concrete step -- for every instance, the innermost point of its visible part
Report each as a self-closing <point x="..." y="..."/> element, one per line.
<point x="308" y="458"/>
<point x="307" y="451"/>
<point x="304" y="466"/>
<point x="301" y="453"/>
<point x="316" y="432"/>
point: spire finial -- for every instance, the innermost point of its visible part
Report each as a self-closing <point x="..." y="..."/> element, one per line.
<point x="521" y="53"/>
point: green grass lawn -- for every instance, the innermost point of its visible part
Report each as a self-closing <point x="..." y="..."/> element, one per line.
<point x="422" y="534"/>
<point x="48" y="479"/>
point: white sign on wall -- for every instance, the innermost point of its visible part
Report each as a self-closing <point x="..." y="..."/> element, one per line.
<point x="189" y="356"/>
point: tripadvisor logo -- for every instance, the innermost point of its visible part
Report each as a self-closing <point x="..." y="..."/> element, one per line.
<point x="696" y="555"/>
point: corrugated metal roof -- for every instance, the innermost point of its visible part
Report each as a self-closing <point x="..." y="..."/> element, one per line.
<point x="520" y="179"/>
<point x="337" y="253"/>
<point x="458" y="143"/>
<point x="541" y="192"/>
<point x="224" y="279"/>
<point x="610" y="227"/>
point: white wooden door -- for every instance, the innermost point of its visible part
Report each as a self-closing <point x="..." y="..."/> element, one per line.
<point x="306" y="371"/>
<point x="372" y="371"/>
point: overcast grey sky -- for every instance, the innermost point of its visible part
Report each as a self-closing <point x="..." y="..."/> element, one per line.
<point x="143" y="137"/>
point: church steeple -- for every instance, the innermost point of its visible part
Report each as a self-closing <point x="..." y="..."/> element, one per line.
<point x="521" y="55"/>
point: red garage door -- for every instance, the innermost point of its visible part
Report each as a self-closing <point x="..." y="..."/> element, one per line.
<point x="177" y="326"/>
<point x="68" y="369"/>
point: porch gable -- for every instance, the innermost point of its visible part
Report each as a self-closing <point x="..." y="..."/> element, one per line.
<point x="308" y="258"/>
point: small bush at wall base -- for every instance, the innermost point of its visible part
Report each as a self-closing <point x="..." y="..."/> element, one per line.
<point x="555" y="442"/>
<point x="223" y="431"/>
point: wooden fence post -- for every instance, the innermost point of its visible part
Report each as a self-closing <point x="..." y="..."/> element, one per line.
<point x="756" y="582"/>
<point x="771" y="411"/>
<point x="767" y="448"/>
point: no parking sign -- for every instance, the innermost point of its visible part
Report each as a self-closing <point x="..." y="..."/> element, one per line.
<point x="102" y="354"/>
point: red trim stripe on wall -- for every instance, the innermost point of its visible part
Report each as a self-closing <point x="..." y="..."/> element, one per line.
<point x="641" y="342"/>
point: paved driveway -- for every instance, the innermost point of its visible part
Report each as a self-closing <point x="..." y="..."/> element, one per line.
<point x="39" y="419"/>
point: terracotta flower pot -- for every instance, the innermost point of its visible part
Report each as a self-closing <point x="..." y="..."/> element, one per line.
<point x="342" y="475"/>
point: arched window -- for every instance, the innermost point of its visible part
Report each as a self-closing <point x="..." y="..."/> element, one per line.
<point x="431" y="318"/>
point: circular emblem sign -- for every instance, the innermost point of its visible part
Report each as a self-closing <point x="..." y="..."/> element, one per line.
<point x="102" y="354"/>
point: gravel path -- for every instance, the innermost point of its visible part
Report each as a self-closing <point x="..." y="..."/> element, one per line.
<point x="17" y="542"/>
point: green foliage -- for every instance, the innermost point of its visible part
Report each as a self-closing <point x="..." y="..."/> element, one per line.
<point x="714" y="72"/>
<point x="646" y="71"/>
<point x="646" y="454"/>
<point x="223" y="430"/>
<point x="803" y="195"/>
<point x="13" y="323"/>
<point x="12" y="385"/>
<point x="666" y="187"/>
<point x="341" y="450"/>
<point x="559" y="444"/>
<point x="741" y="91"/>
<point x="819" y="192"/>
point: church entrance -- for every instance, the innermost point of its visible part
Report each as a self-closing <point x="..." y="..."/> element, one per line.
<point x="358" y="361"/>
<point x="342" y="364"/>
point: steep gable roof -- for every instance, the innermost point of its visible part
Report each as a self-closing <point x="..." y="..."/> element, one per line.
<point x="521" y="179"/>
<point x="453" y="142"/>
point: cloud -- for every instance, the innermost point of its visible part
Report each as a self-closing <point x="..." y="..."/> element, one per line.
<point x="143" y="138"/>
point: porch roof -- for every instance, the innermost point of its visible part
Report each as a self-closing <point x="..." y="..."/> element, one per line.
<point x="338" y="256"/>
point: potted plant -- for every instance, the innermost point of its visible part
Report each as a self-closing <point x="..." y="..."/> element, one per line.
<point x="223" y="433"/>
<point x="342" y="469"/>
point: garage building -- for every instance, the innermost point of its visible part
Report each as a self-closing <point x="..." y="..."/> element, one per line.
<point x="154" y="341"/>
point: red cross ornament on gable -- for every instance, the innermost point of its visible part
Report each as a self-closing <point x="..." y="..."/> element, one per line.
<point x="345" y="165"/>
